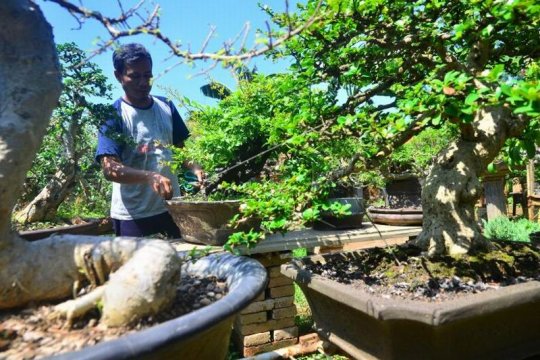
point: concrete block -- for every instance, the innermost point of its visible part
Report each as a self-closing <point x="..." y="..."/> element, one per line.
<point x="283" y="313"/>
<point x="259" y="306"/>
<point x="263" y="327"/>
<point x="281" y="291"/>
<point x="253" y="318"/>
<point x="279" y="281"/>
<point x="257" y="339"/>
<point x="282" y="302"/>
<point x="287" y="333"/>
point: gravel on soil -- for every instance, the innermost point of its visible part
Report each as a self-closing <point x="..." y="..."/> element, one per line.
<point x="30" y="334"/>
<point x="402" y="272"/>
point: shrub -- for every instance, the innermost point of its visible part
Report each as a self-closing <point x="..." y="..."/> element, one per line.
<point x="502" y="228"/>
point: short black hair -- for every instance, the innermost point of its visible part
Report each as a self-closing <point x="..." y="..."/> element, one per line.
<point x="128" y="54"/>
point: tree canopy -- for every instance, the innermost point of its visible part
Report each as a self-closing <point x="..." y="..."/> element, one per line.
<point x="369" y="76"/>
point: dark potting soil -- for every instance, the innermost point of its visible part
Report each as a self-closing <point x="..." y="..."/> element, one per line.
<point x="30" y="334"/>
<point x="402" y="272"/>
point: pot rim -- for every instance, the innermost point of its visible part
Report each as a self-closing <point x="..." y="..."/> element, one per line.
<point x="383" y="210"/>
<point x="179" y="200"/>
<point x="435" y="314"/>
<point x="246" y="278"/>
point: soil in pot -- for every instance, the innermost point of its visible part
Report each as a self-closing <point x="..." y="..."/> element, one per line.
<point x="31" y="334"/>
<point x="401" y="272"/>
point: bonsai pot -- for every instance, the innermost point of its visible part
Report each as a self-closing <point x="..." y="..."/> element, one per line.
<point x="404" y="191"/>
<point x="400" y="216"/>
<point x="92" y="227"/>
<point x="352" y="221"/>
<point x="501" y="324"/>
<point x="206" y="222"/>
<point x="201" y="334"/>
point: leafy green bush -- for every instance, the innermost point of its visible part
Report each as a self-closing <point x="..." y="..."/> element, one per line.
<point x="502" y="228"/>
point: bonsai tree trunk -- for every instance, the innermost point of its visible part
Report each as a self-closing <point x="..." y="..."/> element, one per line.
<point x="142" y="272"/>
<point x="46" y="203"/>
<point x="452" y="187"/>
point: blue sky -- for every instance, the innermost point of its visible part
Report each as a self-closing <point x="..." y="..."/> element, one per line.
<point x="185" y="20"/>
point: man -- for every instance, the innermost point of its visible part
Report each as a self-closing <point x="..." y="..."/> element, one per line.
<point x="133" y="149"/>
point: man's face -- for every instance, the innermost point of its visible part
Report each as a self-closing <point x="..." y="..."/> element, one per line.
<point x="136" y="80"/>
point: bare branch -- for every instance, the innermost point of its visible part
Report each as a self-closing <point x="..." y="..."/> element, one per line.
<point x="150" y="25"/>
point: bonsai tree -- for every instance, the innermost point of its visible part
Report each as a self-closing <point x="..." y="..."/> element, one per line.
<point x="473" y="65"/>
<point x="68" y="146"/>
<point x="130" y="278"/>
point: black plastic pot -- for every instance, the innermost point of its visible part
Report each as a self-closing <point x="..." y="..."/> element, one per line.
<point x="201" y="334"/>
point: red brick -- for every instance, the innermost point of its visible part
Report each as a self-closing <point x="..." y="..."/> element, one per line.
<point x="262" y="327"/>
<point x="254" y="350"/>
<point x="287" y="333"/>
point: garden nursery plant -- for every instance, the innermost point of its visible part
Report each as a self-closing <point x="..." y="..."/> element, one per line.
<point x="365" y="78"/>
<point x="431" y="65"/>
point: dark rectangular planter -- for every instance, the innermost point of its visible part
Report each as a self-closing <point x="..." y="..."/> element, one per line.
<point x="352" y="221"/>
<point x="206" y="222"/>
<point x="92" y="227"/>
<point x="498" y="324"/>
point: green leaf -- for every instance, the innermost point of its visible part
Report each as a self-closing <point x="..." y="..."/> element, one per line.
<point x="471" y="98"/>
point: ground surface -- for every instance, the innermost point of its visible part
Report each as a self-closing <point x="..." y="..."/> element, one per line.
<point x="30" y="334"/>
<point x="401" y="272"/>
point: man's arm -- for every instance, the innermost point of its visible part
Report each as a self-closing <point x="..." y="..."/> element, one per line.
<point x="114" y="170"/>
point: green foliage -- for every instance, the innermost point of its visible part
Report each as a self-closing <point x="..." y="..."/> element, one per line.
<point x="72" y="133"/>
<point x="502" y="228"/>
<point x="365" y="79"/>
<point x="418" y="154"/>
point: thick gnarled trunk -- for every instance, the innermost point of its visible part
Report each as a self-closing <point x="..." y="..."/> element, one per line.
<point x="453" y="186"/>
<point x="29" y="91"/>
<point x="131" y="277"/>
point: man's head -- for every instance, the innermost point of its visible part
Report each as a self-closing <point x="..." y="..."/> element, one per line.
<point x="133" y="69"/>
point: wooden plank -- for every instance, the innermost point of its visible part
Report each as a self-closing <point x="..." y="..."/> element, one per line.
<point x="495" y="199"/>
<point x="310" y="238"/>
<point x="530" y="189"/>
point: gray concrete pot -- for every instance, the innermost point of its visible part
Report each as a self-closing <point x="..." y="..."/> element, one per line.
<point x="206" y="222"/>
<point x="200" y="335"/>
<point x="501" y="324"/>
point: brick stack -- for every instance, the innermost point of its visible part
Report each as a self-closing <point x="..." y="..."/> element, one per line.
<point x="268" y="323"/>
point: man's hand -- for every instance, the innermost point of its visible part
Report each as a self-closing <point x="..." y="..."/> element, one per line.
<point x="201" y="176"/>
<point x="161" y="185"/>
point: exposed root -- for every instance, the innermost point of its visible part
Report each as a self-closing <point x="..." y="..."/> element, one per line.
<point x="131" y="278"/>
<point x="72" y="309"/>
